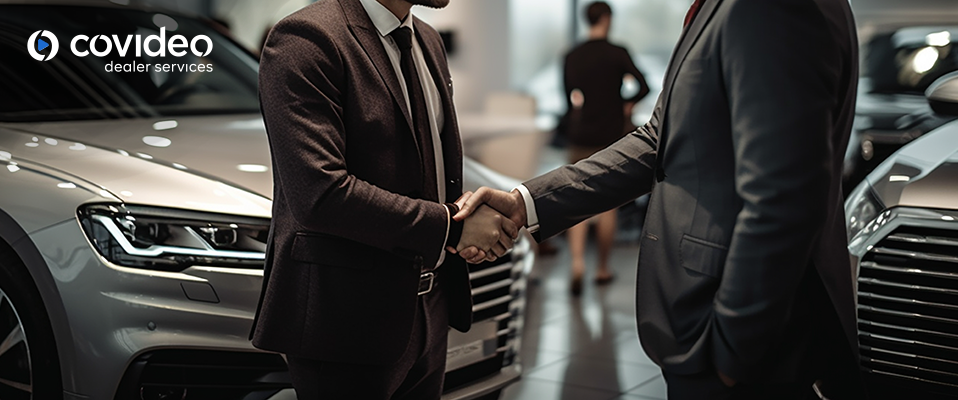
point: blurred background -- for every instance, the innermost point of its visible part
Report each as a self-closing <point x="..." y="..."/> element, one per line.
<point x="506" y="56"/>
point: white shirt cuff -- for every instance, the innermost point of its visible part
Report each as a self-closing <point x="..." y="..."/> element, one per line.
<point x="532" y="220"/>
<point x="442" y="251"/>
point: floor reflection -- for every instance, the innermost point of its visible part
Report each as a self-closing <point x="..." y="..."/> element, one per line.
<point x="584" y="348"/>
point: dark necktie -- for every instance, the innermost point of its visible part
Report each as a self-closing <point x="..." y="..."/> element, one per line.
<point x="417" y="109"/>
<point x="693" y="11"/>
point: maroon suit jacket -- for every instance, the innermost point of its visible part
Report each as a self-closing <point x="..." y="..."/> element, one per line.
<point x="352" y="222"/>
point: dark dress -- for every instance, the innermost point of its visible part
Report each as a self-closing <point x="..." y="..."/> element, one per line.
<point x="596" y="68"/>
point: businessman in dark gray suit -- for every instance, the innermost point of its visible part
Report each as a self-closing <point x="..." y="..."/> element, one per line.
<point x="744" y="285"/>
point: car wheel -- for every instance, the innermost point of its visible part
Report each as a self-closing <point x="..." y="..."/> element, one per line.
<point x="29" y="367"/>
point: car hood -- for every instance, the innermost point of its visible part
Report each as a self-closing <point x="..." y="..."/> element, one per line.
<point x="112" y="159"/>
<point x="922" y="174"/>
<point x="184" y="155"/>
<point x="228" y="148"/>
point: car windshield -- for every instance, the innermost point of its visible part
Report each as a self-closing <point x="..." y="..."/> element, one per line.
<point x="110" y="86"/>
<point x="908" y="60"/>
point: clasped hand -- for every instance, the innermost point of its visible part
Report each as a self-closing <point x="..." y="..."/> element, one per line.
<point x="491" y="220"/>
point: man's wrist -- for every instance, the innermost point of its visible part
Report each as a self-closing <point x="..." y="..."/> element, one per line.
<point x="455" y="227"/>
<point x="528" y="208"/>
<point x="520" y="207"/>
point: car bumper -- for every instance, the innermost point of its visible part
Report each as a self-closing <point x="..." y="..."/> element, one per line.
<point x="121" y="320"/>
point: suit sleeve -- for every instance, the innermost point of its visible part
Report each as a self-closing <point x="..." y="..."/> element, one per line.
<point x="302" y="91"/>
<point x="782" y="67"/>
<point x="610" y="178"/>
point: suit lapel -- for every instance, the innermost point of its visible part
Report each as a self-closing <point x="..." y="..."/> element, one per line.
<point x="451" y="147"/>
<point x="690" y="35"/>
<point x="368" y="36"/>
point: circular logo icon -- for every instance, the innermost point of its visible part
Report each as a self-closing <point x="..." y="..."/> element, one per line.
<point x="40" y="41"/>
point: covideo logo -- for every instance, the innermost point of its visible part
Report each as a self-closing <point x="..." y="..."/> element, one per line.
<point x="134" y="45"/>
<point x="36" y="44"/>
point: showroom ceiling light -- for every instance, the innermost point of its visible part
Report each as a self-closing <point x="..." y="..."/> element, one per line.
<point x="51" y="141"/>
<point x="925" y="59"/>
<point x="66" y="185"/>
<point x="157" y="141"/>
<point x="165" y="125"/>
<point x="252" y="168"/>
<point x="33" y="144"/>
<point x="940" y="39"/>
<point x="78" y="147"/>
<point x="899" y="178"/>
<point x="5" y="156"/>
<point x="107" y="194"/>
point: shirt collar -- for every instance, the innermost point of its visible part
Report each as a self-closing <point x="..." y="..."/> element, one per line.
<point x="384" y="20"/>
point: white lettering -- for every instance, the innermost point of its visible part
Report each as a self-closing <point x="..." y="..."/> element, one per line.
<point x="109" y="46"/>
<point x="177" y="42"/>
<point x="178" y="45"/>
<point x="209" y="45"/>
<point x="162" y="39"/>
<point x="121" y="49"/>
<point x="73" y="45"/>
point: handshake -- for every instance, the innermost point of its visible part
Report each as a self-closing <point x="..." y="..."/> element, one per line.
<point x="491" y="221"/>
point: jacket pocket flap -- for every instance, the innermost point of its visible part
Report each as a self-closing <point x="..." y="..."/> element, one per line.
<point x="321" y="249"/>
<point x="703" y="256"/>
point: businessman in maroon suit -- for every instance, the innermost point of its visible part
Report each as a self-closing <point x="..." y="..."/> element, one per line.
<point x="359" y="289"/>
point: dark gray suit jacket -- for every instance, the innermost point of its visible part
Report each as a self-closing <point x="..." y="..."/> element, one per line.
<point x="746" y="217"/>
<point x="354" y="218"/>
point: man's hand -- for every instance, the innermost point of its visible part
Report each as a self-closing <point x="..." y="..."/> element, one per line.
<point x="511" y="205"/>
<point x="488" y="232"/>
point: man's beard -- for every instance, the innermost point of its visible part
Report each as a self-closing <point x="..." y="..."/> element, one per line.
<point x="430" y="3"/>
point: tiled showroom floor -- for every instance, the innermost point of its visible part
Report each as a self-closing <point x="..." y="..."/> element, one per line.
<point x="584" y="348"/>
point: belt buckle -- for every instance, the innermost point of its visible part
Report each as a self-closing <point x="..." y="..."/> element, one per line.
<point x="428" y="276"/>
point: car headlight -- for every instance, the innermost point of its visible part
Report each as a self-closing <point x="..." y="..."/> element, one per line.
<point x="174" y="240"/>
<point x="861" y="208"/>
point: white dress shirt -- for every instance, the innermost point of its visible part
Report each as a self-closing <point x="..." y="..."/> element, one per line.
<point x="532" y="219"/>
<point x="386" y="22"/>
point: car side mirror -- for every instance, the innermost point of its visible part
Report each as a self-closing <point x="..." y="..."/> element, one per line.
<point x="943" y="94"/>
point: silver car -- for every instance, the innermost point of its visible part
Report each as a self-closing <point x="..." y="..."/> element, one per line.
<point x="134" y="211"/>
<point x="903" y="231"/>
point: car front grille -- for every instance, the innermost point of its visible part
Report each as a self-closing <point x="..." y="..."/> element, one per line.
<point x="494" y="294"/>
<point x="908" y="307"/>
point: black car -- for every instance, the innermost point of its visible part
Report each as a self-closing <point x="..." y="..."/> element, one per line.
<point x="897" y="67"/>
